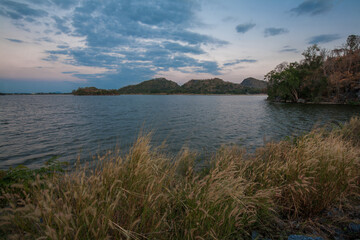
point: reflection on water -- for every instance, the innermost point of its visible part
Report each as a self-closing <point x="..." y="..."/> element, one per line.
<point x="35" y="128"/>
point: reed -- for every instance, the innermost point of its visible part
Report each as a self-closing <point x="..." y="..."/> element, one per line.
<point x="149" y="195"/>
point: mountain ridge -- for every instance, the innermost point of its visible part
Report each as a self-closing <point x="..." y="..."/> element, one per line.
<point x="165" y="86"/>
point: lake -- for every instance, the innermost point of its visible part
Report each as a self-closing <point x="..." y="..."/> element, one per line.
<point x="34" y="128"/>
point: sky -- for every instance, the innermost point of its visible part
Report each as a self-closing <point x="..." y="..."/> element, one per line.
<point x="60" y="45"/>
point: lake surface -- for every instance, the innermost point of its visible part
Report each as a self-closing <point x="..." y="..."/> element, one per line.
<point x="34" y="128"/>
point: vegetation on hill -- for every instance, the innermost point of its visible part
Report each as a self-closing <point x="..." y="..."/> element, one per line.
<point x="216" y="86"/>
<point x="154" y="86"/>
<point x="210" y="86"/>
<point x="322" y="76"/>
<point x="94" y="91"/>
<point x="254" y="83"/>
<point x="310" y="184"/>
<point x="164" y="86"/>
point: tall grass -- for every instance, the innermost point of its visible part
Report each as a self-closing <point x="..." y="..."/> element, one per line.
<point x="149" y="195"/>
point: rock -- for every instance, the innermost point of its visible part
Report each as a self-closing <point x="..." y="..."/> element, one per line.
<point x="355" y="228"/>
<point x="339" y="234"/>
<point x="256" y="236"/>
<point x="300" y="100"/>
<point x="302" y="237"/>
<point x="335" y="212"/>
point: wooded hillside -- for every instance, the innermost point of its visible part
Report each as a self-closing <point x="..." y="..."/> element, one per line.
<point x="322" y="76"/>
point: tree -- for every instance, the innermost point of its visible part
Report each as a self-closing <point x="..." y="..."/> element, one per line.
<point x="353" y="42"/>
<point x="285" y="82"/>
<point x="314" y="57"/>
<point x="313" y="84"/>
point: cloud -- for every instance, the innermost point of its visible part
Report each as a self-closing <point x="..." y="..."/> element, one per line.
<point x="54" y="52"/>
<point x="51" y="58"/>
<point x="70" y="72"/>
<point x="91" y="57"/>
<point x="324" y="38"/>
<point x="313" y="7"/>
<point x="129" y="40"/>
<point x="43" y="39"/>
<point x="274" y="31"/>
<point x="62" y="4"/>
<point x="16" y="10"/>
<point x="119" y="23"/>
<point x="237" y="61"/>
<point x="136" y="36"/>
<point x="65" y="4"/>
<point x="123" y="76"/>
<point x="14" y="40"/>
<point x="229" y="19"/>
<point x="288" y="49"/>
<point x="243" y="28"/>
<point x="62" y="46"/>
<point x="175" y="47"/>
<point x="61" y="24"/>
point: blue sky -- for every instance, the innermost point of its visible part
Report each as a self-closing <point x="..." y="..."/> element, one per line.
<point x="59" y="45"/>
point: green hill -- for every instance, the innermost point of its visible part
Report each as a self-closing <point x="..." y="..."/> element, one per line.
<point x="153" y="86"/>
<point x="254" y="83"/>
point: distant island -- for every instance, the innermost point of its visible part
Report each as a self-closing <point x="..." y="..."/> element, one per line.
<point x="321" y="77"/>
<point x="164" y="86"/>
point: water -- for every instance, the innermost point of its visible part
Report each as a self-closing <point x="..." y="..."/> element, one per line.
<point x="35" y="128"/>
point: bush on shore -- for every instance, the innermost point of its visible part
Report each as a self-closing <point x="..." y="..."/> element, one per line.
<point x="148" y="195"/>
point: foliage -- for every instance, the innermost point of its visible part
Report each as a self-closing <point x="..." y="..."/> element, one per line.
<point x="148" y="195"/>
<point x="217" y="86"/>
<point x="154" y="86"/>
<point x="285" y="81"/>
<point x="321" y="76"/>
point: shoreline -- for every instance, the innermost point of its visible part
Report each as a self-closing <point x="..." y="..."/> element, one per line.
<point x="150" y="94"/>
<point x="315" y="103"/>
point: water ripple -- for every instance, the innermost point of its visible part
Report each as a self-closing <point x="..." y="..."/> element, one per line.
<point x="35" y="128"/>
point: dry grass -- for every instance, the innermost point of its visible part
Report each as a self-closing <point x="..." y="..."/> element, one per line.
<point x="147" y="195"/>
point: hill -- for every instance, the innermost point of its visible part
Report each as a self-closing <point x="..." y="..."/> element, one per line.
<point x="211" y="86"/>
<point x="153" y="86"/>
<point x="164" y="86"/>
<point x="254" y="83"/>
